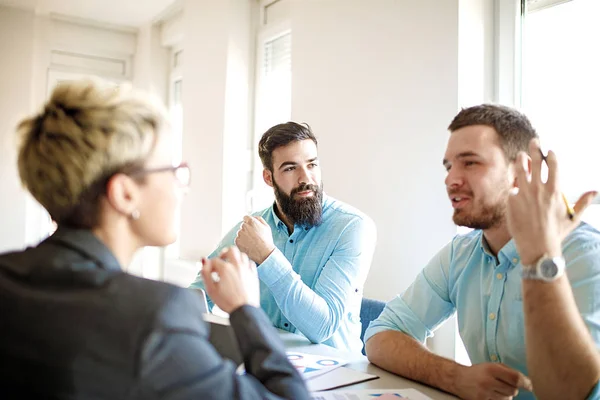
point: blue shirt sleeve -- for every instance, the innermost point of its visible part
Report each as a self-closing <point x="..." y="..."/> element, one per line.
<point x="423" y="306"/>
<point x="595" y="394"/>
<point x="228" y="240"/>
<point x="318" y="313"/>
<point x="582" y="257"/>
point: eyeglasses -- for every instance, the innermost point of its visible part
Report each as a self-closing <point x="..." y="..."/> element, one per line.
<point x="182" y="173"/>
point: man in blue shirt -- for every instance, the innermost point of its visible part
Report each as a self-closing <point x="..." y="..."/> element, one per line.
<point x="313" y="252"/>
<point x="478" y="275"/>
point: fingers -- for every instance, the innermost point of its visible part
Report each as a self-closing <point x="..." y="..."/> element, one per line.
<point x="552" y="182"/>
<point x="535" y="152"/>
<point x="499" y="396"/>
<point x="254" y="221"/>
<point x="223" y="253"/>
<point x="244" y="259"/>
<point x="207" y="275"/>
<point x="524" y="382"/>
<point x="251" y="265"/>
<point x="250" y="220"/>
<point x="584" y="201"/>
<point x="248" y="225"/>
<point x="521" y="171"/>
<point x="504" y="390"/>
<point x="231" y="255"/>
<point x="509" y="376"/>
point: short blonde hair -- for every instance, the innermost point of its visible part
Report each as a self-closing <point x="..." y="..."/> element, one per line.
<point x="88" y="131"/>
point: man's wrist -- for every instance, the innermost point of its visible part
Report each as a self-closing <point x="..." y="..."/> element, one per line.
<point x="455" y="372"/>
<point x="530" y="258"/>
<point x="265" y="255"/>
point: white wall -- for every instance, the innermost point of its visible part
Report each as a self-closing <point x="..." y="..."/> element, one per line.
<point x="16" y="50"/>
<point x="37" y="49"/>
<point x="476" y="52"/>
<point x="217" y="74"/>
<point x="151" y="64"/>
<point x="377" y="81"/>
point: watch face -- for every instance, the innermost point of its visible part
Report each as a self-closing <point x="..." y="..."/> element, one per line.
<point x="548" y="268"/>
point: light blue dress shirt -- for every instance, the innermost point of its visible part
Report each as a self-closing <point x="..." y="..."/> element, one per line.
<point x="485" y="292"/>
<point x="312" y="283"/>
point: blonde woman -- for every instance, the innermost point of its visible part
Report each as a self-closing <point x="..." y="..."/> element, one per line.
<point x="73" y="324"/>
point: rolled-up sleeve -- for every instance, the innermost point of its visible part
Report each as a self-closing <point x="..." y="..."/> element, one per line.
<point x="423" y="306"/>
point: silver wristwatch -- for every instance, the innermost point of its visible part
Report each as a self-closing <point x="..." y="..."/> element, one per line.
<point x="546" y="269"/>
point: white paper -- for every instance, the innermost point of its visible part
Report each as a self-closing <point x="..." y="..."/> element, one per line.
<point x="370" y="394"/>
<point x="311" y="366"/>
<point x="339" y="378"/>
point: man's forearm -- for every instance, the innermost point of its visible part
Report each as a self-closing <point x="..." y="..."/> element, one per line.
<point x="562" y="360"/>
<point x="399" y="353"/>
<point x="304" y="307"/>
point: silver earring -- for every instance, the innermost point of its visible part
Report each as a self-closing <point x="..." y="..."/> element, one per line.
<point x="135" y="214"/>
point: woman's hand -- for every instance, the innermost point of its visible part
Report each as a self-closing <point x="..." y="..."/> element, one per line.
<point x="231" y="280"/>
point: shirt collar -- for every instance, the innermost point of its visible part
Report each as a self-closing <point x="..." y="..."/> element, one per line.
<point x="278" y="222"/>
<point x="86" y="243"/>
<point x="507" y="253"/>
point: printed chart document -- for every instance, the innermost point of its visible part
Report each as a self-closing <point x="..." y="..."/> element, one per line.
<point x="338" y="378"/>
<point x="310" y="366"/>
<point x="370" y="394"/>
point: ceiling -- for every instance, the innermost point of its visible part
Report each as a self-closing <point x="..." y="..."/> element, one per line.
<point x="132" y="13"/>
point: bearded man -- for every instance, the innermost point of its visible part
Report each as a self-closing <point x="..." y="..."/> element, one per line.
<point x="313" y="252"/>
<point x="480" y="276"/>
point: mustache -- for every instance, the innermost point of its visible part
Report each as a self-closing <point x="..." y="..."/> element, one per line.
<point x="455" y="192"/>
<point x="303" y="188"/>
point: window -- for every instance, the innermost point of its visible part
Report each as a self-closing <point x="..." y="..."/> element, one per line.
<point x="561" y="88"/>
<point x="273" y="100"/>
<point x="276" y="79"/>
<point x="176" y="114"/>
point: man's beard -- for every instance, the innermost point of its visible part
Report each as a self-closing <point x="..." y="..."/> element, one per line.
<point x="484" y="217"/>
<point x="304" y="211"/>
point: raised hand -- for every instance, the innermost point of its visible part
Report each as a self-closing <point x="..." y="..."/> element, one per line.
<point x="231" y="280"/>
<point x="255" y="239"/>
<point x="537" y="215"/>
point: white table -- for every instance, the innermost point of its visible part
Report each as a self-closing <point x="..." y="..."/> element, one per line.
<point x="359" y="362"/>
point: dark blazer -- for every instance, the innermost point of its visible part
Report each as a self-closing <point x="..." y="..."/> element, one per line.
<point x="73" y="325"/>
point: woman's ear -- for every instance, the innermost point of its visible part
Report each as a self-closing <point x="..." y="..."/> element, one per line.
<point x="123" y="194"/>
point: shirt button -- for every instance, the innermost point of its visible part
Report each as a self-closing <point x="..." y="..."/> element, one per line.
<point x="494" y="357"/>
<point x="286" y="324"/>
<point x="499" y="276"/>
<point x="291" y="240"/>
<point x="515" y="260"/>
<point x="492" y="316"/>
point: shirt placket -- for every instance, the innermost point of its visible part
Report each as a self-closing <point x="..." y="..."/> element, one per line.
<point x="289" y="250"/>
<point x="493" y="311"/>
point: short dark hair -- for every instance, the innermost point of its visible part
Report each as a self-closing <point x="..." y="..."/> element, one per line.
<point x="513" y="127"/>
<point x="282" y="135"/>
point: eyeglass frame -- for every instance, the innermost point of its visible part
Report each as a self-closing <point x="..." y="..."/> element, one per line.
<point x="171" y="168"/>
